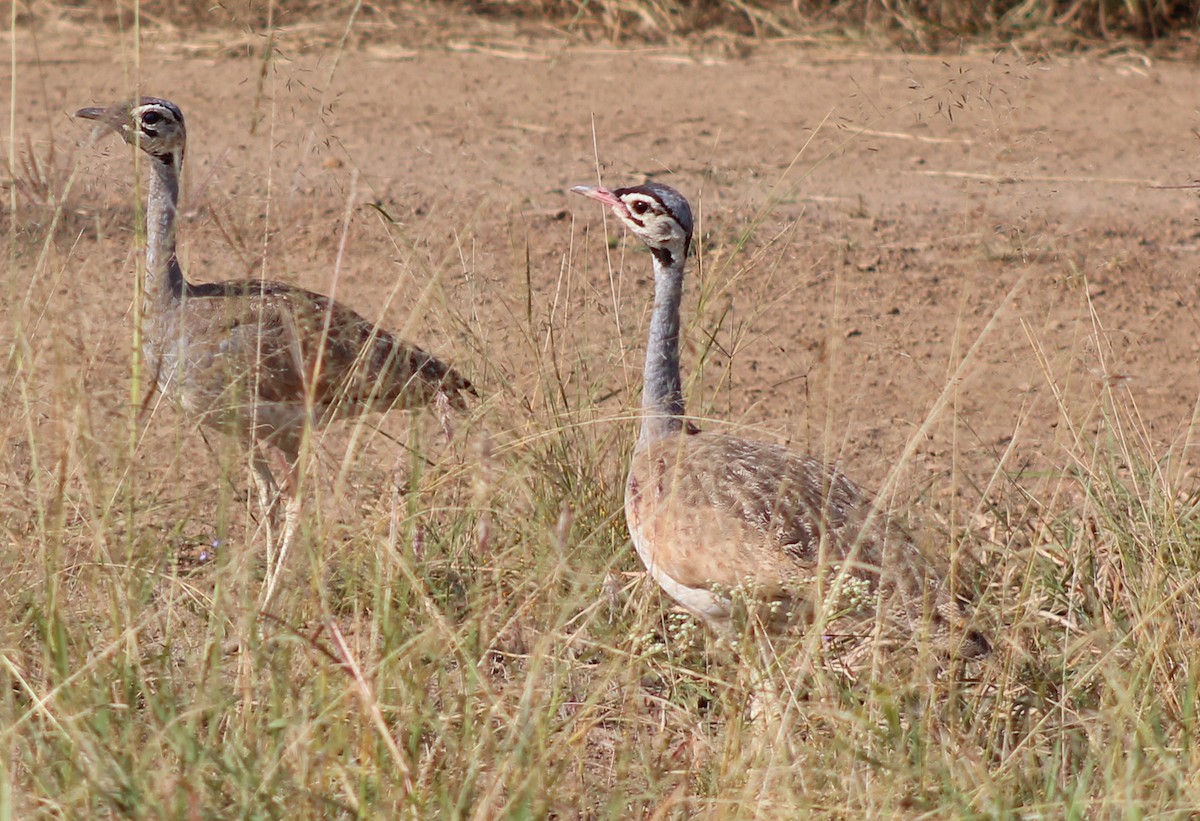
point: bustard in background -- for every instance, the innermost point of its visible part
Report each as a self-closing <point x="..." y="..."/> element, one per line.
<point x="716" y="517"/>
<point x="256" y="359"/>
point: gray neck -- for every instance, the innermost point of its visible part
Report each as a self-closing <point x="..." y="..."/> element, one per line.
<point x="164" y="278"/>
<point x="662" y="392"/>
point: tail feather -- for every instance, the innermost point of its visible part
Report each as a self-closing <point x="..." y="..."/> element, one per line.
<point x="408" y="376"/>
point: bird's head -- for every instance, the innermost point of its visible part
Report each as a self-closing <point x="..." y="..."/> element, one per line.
<point x="153" y="125"/>
<point x="658" y="214"/>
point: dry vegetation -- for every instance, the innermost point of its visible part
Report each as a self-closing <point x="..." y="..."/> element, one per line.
<point x="466" y="633"/>
<point x="920" y="24"/>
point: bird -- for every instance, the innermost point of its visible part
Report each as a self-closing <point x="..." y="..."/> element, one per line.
<point x="718" y="519"/>
<point x="255" y="359"/>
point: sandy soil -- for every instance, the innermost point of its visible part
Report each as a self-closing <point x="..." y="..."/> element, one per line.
<point x="898" y="204"/>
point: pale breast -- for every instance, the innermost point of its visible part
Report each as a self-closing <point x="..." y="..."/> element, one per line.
<point x="703" y="601"/>
<point x="710" y="514"/>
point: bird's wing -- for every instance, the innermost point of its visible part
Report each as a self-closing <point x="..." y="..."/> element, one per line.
<point x="303" y="346"/>
<point x="723" y="508"/>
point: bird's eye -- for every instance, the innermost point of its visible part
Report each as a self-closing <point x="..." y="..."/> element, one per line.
<point x="640" y="206"/>
<point x="152" y="117"/>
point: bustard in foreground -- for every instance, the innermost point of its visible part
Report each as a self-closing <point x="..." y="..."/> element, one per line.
<point x="716" y="517"/>
<point x="256" y="359"/>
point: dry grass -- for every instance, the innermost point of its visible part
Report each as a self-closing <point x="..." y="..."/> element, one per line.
<point x="465" y="633"/>
<point x="919" y="24"/>
<point x="462" y="639"/>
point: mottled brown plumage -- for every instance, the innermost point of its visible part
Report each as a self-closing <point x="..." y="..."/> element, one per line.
<point x="259" y="360"/>
<point x="717" y="519"/>
<point x="261" y="357"/>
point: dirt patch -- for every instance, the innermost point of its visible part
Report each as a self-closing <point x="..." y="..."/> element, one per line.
<point x="876" y="231"/>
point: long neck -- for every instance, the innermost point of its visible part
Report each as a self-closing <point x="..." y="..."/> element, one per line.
<point x="164" y="278"/>
<point x="662" y="391"/>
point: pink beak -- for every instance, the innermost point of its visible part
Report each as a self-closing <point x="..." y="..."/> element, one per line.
<point x="598" y="194"/>
<point x="605" y="196"/>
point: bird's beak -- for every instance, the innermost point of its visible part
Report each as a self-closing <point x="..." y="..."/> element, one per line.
<point x="111" y="118"/>
<point x="605" y="196"/>
<point x="91" y="113"/>
<point x="599" y="195"/>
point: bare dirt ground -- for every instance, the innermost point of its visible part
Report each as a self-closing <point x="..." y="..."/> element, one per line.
<point x="893" y="208"/>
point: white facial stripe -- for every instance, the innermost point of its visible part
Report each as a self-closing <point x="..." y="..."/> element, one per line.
<point x="640" y="204"/>
<point x="166" y="117"/>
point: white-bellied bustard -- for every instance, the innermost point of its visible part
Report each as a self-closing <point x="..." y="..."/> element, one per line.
<point x="257" y="359"/>
<point x="714" y="516"/>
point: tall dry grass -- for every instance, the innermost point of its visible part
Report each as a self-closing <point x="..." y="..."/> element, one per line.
<point x="464" y="632"/>
<point x="933" y="25"/>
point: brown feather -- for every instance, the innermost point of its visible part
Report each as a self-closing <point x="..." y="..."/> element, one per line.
<point x="245" y="347"/>
<point x="723" y="513"/>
